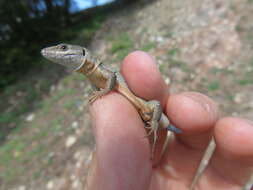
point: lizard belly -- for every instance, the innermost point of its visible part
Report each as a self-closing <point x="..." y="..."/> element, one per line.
<point x="98" y="80"/>
<point x="140" y="104"/>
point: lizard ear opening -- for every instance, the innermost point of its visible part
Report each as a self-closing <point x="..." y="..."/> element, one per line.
<point x="84" y="52"/>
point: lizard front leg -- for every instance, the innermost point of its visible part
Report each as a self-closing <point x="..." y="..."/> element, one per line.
<point x="110" y="84"/>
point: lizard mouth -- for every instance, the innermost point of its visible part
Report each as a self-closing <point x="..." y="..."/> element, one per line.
<point x="69" y="55"/>
<point x="46" y="53"/>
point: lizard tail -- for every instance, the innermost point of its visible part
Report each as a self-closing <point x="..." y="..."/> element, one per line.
<point x="174" y="129"/>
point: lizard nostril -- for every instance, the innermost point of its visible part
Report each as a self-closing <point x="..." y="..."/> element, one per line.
<point x="43" y="52"/>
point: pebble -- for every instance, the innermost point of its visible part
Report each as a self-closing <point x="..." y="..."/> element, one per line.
<point x="76" y="184"/>
<point x="159" y="39"/>
<point x="30" y="117"/>
<point x="167" y="81"/>
<point x="52" y="88"/>
<point x="71" y="140"/>
<point x="74" y="125"/>
<point x="238" y="98"/>
<point x="50" y="185"/>
<point x="22" y="187"/>
<point x="77" y="155"/>
<point x="78" y="164"/>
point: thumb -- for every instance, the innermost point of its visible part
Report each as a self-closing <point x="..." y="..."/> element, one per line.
<point x="122" y="158"/>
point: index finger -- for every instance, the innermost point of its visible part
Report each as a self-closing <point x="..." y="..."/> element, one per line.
<point x="144" y="79"/>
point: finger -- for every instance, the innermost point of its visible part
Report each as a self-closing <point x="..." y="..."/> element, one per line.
<point x="232" y="162"/>
<point x="196" y="115"/>
<point x="144" y="79"/>
<point x="122" y="154"/>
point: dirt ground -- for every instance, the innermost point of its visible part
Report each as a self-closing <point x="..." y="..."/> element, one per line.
<point x="199" y="45"/>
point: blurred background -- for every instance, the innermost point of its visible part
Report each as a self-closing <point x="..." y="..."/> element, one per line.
<point x="45" y="135"/>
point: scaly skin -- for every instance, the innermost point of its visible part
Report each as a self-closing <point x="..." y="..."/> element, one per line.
<point x="77" y="58"/>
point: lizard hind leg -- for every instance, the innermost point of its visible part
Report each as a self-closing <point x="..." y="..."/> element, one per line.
<point x="96" y="95"/>
<point x="153" y="123"/>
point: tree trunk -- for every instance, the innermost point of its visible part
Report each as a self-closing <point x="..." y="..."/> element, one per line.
<point x="66" y="12"/>
<point x="49" y="6"/>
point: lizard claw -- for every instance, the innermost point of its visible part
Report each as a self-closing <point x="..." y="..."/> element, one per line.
<point x="153" y="128"/>
<point x="95" y="96"/>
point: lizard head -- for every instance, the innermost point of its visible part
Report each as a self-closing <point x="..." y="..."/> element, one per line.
<point x="70" y="56"/>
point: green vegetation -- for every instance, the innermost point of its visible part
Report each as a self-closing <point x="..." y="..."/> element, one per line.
<point x="251" y="62"/>
<point x="28" y="95"/>
<point x="17" y="153"/>
<point x="73" y="77"/>
<point x="213" y="85"/>
<point x="231" y="97"/>
<point x="148" y="46"/>
<point x="247" y="80"/>
<point x="69" y="105"/>
<point x="177" y="63"/>
<point x="121" y="45"/>
<point x="162" y="67"/>
<point x="173" y="52"/>
<point x="247" y="77"/>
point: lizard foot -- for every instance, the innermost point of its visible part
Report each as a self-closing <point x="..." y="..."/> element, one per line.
<point x="153" y="128"/>
<point x="94" y="96"/>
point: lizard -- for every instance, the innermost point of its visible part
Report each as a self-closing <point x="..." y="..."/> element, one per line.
<point x="104" y="80"/>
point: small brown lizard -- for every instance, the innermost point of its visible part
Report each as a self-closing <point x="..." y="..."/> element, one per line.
<point x="103" y="79"/>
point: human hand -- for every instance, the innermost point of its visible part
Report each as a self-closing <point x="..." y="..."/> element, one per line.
<point x="122" y="157"/>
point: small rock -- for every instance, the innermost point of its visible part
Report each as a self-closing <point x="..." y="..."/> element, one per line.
<point x="22" y="187"/>
<point x="167" y="81"/>
<point x="192" y="75"/>
<point x="71" y="140"/>
<point x="74" y="125"/>
<point x="238" y="98"/>
<point x="81" y="107"/>
<point x="50" y="155"/>
<point x="159" y="39"/>
<point x="72" y="177"/>
<point x="234" y="114"/>
<point x="50" y="185"/>
<point x="16" y="154"/>
<point x="76" y="184"/>
<point x="78" y="164"/>
<point x="77" y="155"/>
<point x="52" y="88"/>
<point x="30" y="117"/>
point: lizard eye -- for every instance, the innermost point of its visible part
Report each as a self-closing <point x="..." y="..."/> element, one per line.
<point x="63" y="47"/>
<point x="84" y="52"/>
